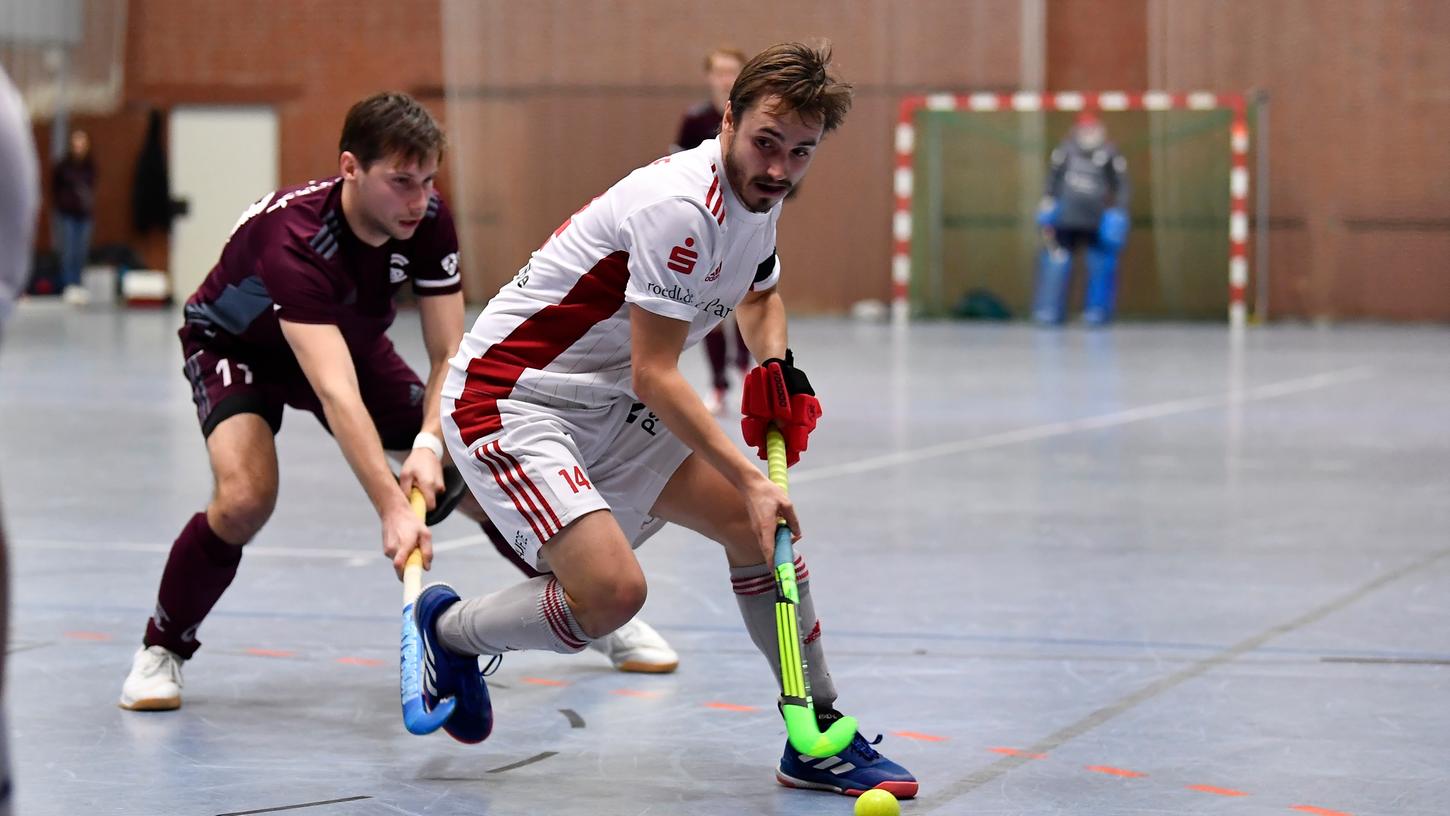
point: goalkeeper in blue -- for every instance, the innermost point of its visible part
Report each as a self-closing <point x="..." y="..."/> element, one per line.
<point x="1085" y="205"/>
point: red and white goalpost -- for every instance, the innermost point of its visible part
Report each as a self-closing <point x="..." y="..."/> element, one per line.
<point x="1238" y="267"/>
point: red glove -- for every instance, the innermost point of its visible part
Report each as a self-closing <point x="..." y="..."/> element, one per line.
<point x="778" y="392"/>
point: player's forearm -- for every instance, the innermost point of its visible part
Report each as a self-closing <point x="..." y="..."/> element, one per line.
<point x="432" y="399"/>
<point x="675" y="402"/>
<point x="442" y="317"/>
<point x="357" y="436"/>
<point x="763" y="323"/>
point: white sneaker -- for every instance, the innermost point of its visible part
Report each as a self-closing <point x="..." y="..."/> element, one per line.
<point x="154" y="683"/>
<point x="76" y="296"/>
<point x="715" y="401"/>
<point x="637" y="647"/>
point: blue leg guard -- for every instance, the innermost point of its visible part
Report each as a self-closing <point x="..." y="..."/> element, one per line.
<point x="1054" y="271"/>
<point x="1102" y="285"/>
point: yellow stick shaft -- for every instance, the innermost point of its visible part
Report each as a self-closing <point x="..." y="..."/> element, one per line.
<point x="413" y="572"/>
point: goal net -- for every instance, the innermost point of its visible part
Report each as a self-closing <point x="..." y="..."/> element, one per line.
<point x="971" y="171"/>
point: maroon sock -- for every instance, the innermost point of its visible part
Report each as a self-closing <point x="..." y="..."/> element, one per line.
<point x="742" y="353"/>
<point x="200" y="568"/>
<point x="715" y="350"/>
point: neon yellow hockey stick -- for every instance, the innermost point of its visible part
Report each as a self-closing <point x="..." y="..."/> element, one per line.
<point x="801" y="726"/>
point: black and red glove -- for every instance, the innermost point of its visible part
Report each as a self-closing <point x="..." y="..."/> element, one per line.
<point x="777" y="392"/>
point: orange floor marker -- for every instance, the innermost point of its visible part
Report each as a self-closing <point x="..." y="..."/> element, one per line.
<point x="92" y="636"/>
<point x="1017" y="752"/>
<point x="270" y="652"/>
<point x="634" y="693"/>
<point x="1318" y="811"/>
<point x="361" y="661"/>
<point x="913" y="735"/>
<point x="1217" y="791"/>
<point x="731" y="707"/>
<point x="540" y="681"/>
<point x="1111" y="771"/>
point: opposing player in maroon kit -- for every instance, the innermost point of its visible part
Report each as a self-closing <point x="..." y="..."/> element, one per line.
<point x="296" y="313"/>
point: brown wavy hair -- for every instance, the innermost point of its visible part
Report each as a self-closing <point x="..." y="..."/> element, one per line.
<point x="390" y="123"/>
<point x="800" y="77"/>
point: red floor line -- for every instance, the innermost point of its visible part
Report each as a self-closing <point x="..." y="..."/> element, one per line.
<point x="1216" y="791"/>
<point x="916" y="735"/>
<point x="270" y="652"/>
<point x="361" y="661"/>
<point x="540" y="681"/>
<point x="1111" y="771"/>
<point x="1318" y="811"/>
<point x="1017" y="752"/>
<point x="731" y="707"/>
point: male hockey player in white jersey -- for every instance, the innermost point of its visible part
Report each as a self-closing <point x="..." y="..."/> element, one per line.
<point x="573" y="426"/>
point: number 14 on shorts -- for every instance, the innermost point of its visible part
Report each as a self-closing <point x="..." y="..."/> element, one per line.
<point x="578" y="481"/>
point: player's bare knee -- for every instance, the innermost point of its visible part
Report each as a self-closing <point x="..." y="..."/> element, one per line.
<point x="238" y="510"/>
<point x="608" y="605"/>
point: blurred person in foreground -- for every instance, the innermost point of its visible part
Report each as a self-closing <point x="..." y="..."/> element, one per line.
<point x="19" y="198"/>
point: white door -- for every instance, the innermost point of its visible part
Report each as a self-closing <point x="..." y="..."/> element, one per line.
<point x="222" y="158"/>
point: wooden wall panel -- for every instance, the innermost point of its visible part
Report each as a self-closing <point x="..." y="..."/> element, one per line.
<point x="597" y="89"/>
<point x="1360" y="107"/>
<point x="1097" y="45"/>
<point x="556" y="99"/>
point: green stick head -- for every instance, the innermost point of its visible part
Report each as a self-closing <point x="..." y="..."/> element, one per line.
<point x="805" y="733"/>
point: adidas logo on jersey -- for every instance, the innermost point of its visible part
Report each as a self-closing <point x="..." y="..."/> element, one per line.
<point x="715" y="275"/>
<point x="682" y="258"/>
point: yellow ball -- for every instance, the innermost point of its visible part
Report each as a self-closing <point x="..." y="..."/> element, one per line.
<point x="877" y="802"/>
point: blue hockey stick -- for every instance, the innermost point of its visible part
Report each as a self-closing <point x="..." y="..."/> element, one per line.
<point x="417" y="718"/>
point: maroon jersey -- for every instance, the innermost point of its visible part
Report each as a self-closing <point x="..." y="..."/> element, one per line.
<point x="292" y="256"/>
<point x="701" y="122"/>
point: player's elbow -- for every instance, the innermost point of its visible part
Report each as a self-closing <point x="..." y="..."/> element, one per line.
<point x="336" y="394"/>
<point x="645" y="379"/>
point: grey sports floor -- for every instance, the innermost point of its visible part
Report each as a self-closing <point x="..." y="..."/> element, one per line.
<point x="1138" y="571"/>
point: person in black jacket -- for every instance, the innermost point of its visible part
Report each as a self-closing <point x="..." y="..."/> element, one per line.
<point x="701" y="122"/>
<point x="73" y="189"/>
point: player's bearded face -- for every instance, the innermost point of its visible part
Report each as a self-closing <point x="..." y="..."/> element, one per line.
<point x="768" y="153"/>
<point x="394" y="194"/>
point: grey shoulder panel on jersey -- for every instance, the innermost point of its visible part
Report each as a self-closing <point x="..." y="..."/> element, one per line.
<point x="235" y="309"/>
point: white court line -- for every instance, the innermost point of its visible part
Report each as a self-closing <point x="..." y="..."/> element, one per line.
<point x="356" y="557"/>
<point x="997" y="440"/>
<point x="1113" y="420"/>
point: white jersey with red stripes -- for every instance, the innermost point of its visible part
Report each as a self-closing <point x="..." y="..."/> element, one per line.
<point x="671" y="237"/>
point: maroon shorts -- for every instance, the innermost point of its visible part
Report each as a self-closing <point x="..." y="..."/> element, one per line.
<point x="226" y="381"/>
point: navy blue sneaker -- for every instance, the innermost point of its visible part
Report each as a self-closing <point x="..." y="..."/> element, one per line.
<point x="448" y="674"/>
<point x="852" y="772"/>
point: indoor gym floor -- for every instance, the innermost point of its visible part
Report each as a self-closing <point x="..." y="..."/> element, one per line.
<point x="1149" y="570"/>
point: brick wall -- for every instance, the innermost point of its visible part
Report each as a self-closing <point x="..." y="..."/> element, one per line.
<point x="311" y="60"/>
<point x="573" y="93"/>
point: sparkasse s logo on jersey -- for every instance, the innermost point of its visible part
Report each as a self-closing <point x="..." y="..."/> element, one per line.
<point x="682" y="258"/>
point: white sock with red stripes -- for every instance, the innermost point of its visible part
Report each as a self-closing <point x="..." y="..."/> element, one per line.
<point x="530" y="615"/>
<point x="755" y="593"/>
